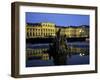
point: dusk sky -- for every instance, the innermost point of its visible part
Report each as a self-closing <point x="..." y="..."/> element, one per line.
<point x="58" y="19"/>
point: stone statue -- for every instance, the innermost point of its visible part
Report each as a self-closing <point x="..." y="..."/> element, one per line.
<point x="58" y="49"/>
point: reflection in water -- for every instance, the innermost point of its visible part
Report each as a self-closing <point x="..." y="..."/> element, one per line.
<point x="38" y="56"/>
<point x="41" y="52"/>
<point x="58" y="51"/>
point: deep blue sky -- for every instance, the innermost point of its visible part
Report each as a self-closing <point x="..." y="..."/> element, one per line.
<point x="58" y="19"/>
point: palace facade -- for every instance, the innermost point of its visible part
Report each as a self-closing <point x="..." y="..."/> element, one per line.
<point x="46" y="29"/>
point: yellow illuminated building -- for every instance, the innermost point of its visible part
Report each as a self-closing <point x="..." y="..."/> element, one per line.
<point x="46" y="29"/>
<point x="40" y="30"/>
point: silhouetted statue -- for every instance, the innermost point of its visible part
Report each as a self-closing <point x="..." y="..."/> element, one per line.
<point x="58" y="50"/>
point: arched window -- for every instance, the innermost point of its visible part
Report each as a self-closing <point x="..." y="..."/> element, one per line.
<point x="33" y="33"/>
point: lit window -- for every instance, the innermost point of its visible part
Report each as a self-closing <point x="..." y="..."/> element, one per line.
<point x="33" y="34"/>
